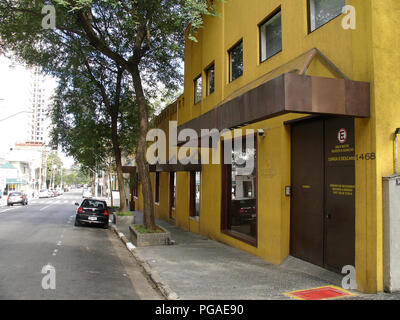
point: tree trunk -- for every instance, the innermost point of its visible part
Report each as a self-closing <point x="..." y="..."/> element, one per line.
<point x="143" y="169"/>
<point x="131" y="188"/>
<point x="110" y="186"/>
<point x="118" y="161"/>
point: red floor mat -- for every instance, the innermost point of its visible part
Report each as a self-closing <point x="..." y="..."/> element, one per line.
<point x="322" y="293"/>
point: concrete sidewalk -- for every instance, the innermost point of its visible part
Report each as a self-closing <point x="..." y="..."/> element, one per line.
<point x="200" y="268"/>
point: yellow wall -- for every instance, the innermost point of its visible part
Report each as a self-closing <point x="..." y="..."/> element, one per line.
<point x="370" y="53"/>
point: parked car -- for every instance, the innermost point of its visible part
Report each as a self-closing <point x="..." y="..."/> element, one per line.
<point x="92" y="211"/>
<point x="45" y="193"/>
<point x="87" y="193"/>
<point x="17" y="197"/>
<point x="243" y="211"/>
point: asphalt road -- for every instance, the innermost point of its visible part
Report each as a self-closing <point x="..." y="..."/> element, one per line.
<point x="88" y="262"/>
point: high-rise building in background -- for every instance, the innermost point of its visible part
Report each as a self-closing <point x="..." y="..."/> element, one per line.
<point x="38" y="130"/>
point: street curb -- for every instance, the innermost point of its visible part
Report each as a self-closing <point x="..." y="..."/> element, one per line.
<point x="154" y="276"/>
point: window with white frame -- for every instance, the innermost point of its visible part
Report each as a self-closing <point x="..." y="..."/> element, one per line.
<point x="198" y="89"/>
<point x="236" y="61"/>
<point x="323" y="11"/>
<point x="210" y="74"/>
<point x="271" y="36"/>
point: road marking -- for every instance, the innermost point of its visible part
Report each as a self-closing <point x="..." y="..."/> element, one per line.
<point x="45" y="208"/>
<point x="59" y="243"/>
<point x="9" y="209"/>
<point x="55" y="252"/>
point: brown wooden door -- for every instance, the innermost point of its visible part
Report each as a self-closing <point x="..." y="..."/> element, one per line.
<point x="307" y="203"/>
<point x="339" y="193"/>
<point x="323" y="192"/>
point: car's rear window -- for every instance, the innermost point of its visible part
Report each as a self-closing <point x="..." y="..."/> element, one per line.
<point x="14" y="194"/>
<point x="94" y="204"/>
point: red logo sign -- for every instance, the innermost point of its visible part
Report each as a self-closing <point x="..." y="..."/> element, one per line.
<point x="342" y="135"/>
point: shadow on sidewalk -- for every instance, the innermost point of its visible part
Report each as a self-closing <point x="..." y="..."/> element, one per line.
<point x="199" y="268"/>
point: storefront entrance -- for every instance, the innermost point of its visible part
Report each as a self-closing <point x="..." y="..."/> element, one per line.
<point x="323" y="192"/>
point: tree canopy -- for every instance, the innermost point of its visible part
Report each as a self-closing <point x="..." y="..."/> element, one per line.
<point x="145" y="38"/>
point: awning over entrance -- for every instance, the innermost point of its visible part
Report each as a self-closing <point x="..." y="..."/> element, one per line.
<point x="165" y="168"/>
<point x="288" y="90"/>
<point x="16" y="181"/>
<point x="129" y="169"/>
<point x="174" y="167"/>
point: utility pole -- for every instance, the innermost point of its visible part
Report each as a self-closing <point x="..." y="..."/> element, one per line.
<point x="61" y="183"/>
<point x="54" y="176"/>
<point x="96" y="182"/>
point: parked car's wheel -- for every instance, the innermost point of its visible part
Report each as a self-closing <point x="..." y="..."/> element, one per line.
<point x="105" y="226"/>
<point x="77" y="224"/>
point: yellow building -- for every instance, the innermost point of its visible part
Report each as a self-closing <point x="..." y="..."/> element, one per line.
<point x="321" y="91"/>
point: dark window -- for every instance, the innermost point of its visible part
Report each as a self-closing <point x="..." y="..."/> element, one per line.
<point x="94" y="204"/>
<point x="157" y="198"/>
<point x="172" y="189"/>
<point x="210" y="74"/>
<point x="136" y="185"/>
<point x="198" y="89"/>
<point x="239" y="193"/>
<point x="271" y="36"/>
<point x="323" y="11"/>
<point x="236" y="61"/>
<point x="195" y="184"/>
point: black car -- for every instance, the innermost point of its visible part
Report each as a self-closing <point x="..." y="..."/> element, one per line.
<point x="92" y="211"/>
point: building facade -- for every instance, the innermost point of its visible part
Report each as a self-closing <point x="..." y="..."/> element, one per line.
<point x="319" y="90"/>
<point x="35" y="153"/>
<point x="28" y="174"/>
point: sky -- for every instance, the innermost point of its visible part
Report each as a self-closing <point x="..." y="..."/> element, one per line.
<point x="15" y="97"/>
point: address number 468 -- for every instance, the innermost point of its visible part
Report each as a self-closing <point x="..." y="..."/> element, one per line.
<point x="366" y="156"/>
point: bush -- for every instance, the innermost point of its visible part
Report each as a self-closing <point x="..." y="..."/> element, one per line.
<point x="141" y="229"/>
<point x="124" y="214"/>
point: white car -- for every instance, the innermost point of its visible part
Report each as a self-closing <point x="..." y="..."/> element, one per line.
<point x="87" y="193"/>
<point x="45" y="193"/>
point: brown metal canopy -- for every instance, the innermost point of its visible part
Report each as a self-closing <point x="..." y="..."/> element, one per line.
<point x="288" y="90"/>
<point x="165" y="168"/>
